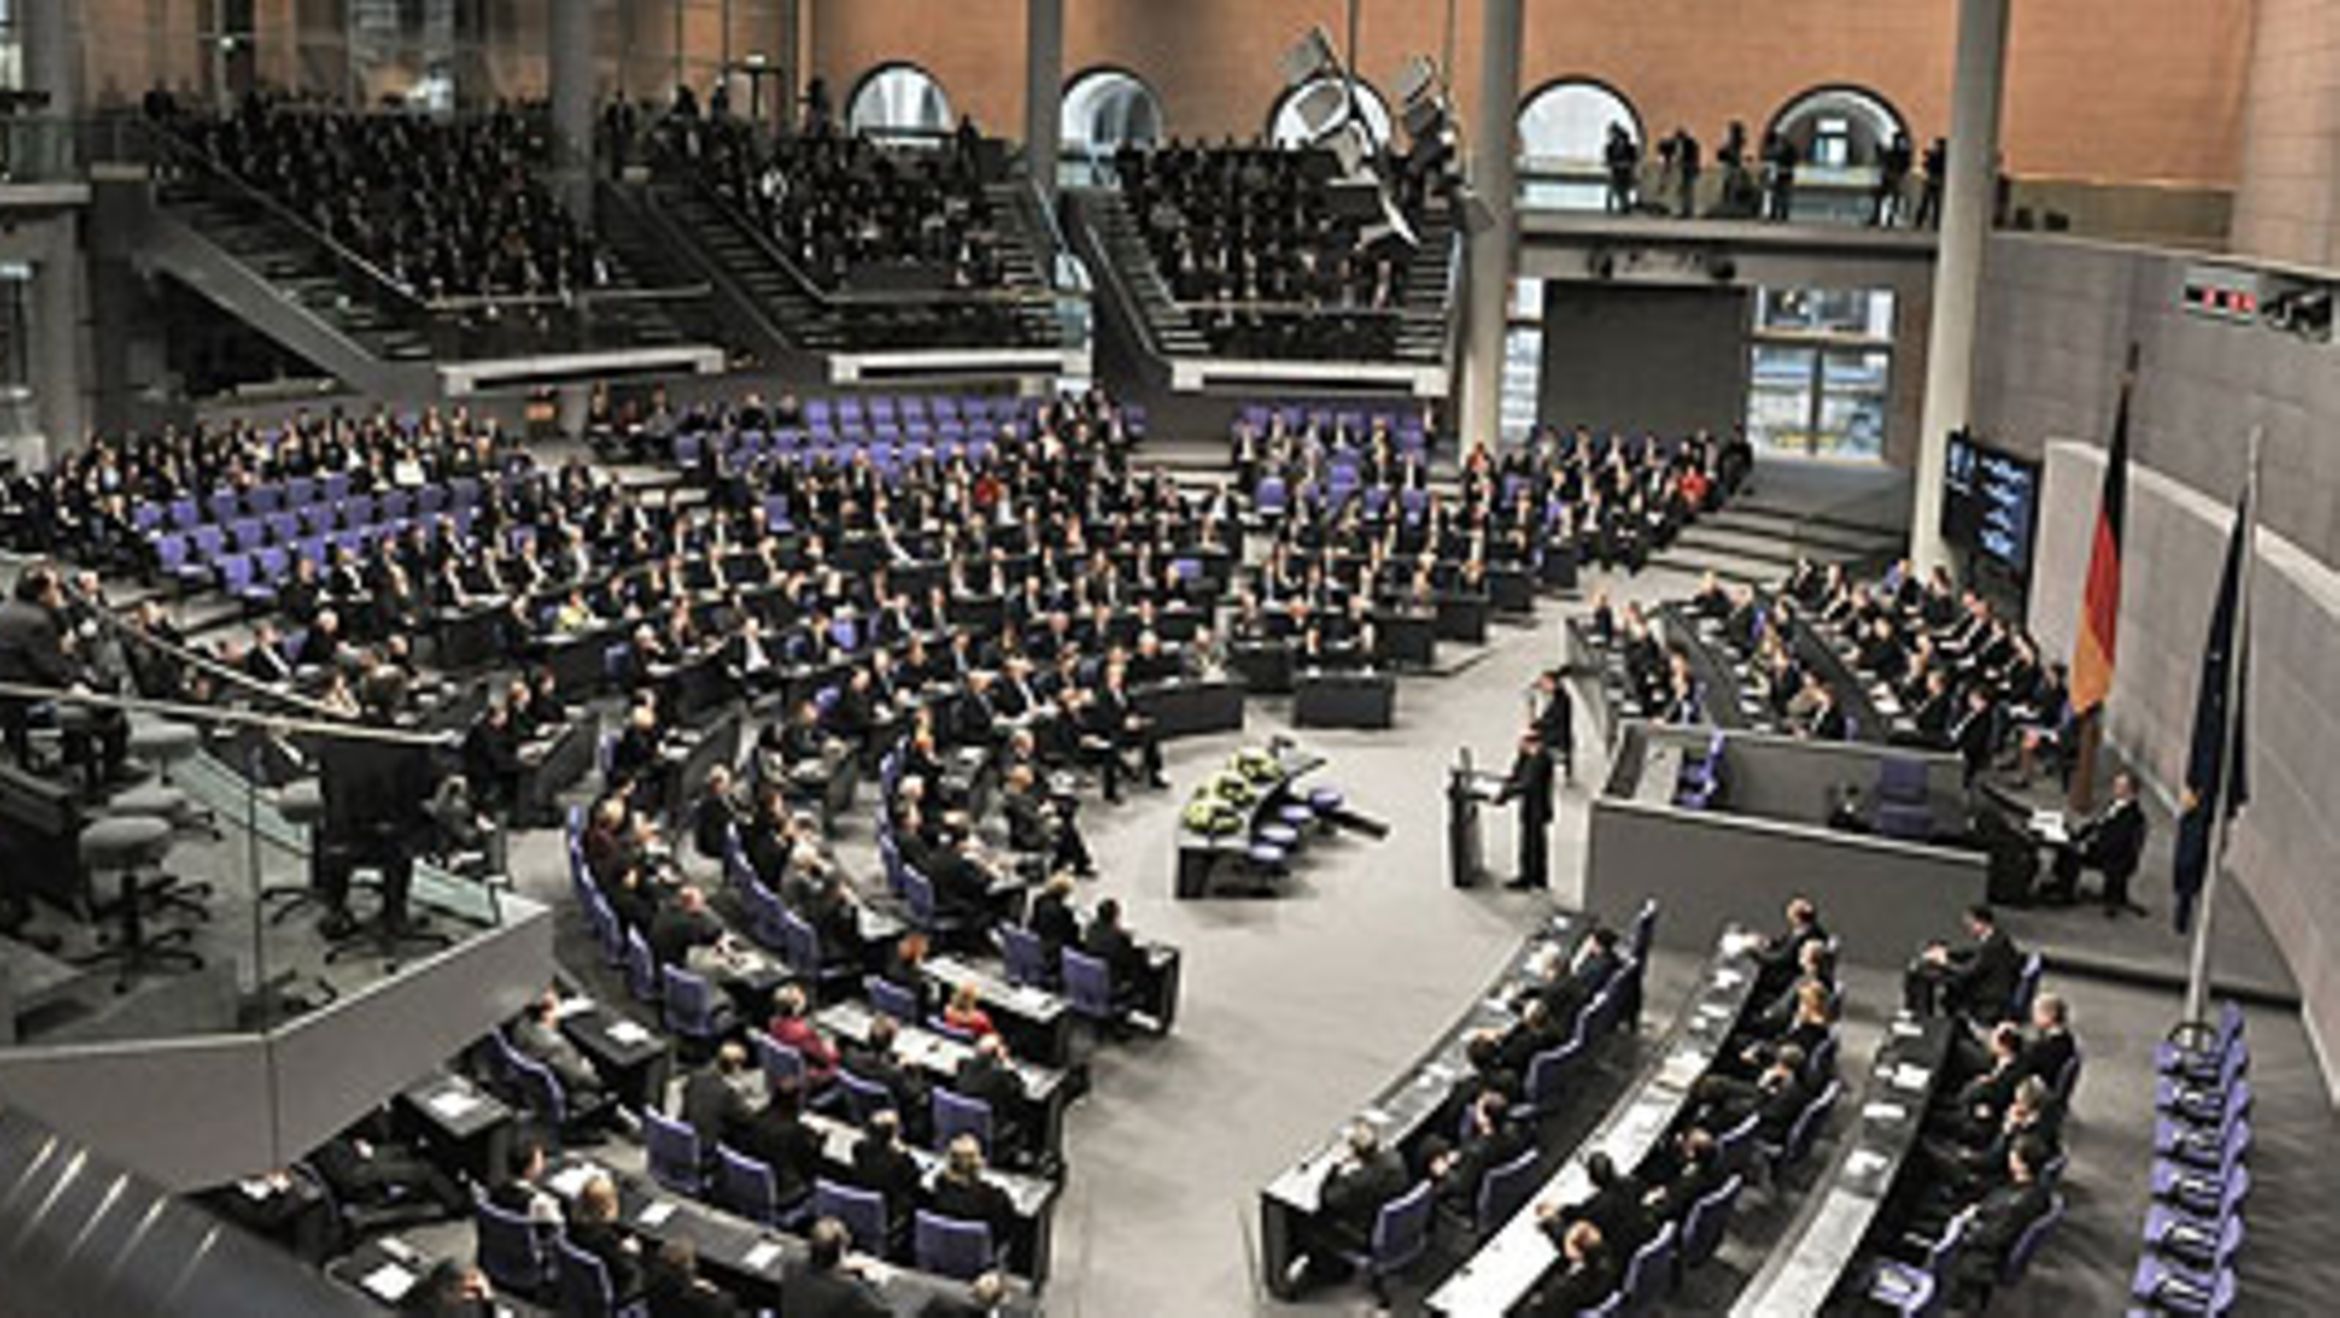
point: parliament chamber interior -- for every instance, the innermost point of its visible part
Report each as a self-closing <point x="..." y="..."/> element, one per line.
<point x="678" y="658"/>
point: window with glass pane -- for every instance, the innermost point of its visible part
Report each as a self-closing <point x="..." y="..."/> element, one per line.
<point x="1867" y="312"/>
<point x="1779" y="397"/>
<point x="18" y="414"/>
<point x="1853" y="399"/>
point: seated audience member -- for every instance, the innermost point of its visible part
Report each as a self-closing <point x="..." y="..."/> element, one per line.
<point x="874" y="1060"/>
<point x="1776" y="1097"/>
<point x="714" y="1100"/>
<point x="965" y="1014"/>
<point x="714" y="816"/>
<point x="1616" y="1207"/>
<point x="1686" y="1170"/>
<point x="2110" y="842"/>
<point x="1588" y="1275"/>
<point x="685" y="933"/>
<point x="827" y="1284"/>
<point x="1040" y="827"/>
<point x="521" y="1192"/>
<point x="673" y="1288"/>
<point x="883" y="1164"/>
<point x="1779" y="957"/>
<point x="1110" y="942"/>
<point x="451" y="1290"/>
<point x="984" y="1297"/>
<point x="778" y="1136"/>
<point x="594" y="1229"/>
<point x="2001" y="1217"/>
<point x="1490" y="1138"/>
<point x="537" y="1034"/>
<point x="1367" y="1177"/>
<point x="366" y="1169"/>
<point x="963" y="1191"/>
<point x="792" y="1027"/>
<point x="1977" y="981"/>
<point x="1051" y="918"/>
<point x="988" y="1075"/>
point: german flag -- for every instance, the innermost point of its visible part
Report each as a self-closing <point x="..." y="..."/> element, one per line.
<point x="2100" y="609"/>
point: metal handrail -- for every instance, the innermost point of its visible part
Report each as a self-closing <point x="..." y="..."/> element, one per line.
<point x="246" y="191"/>
<point x="844" y="299"/>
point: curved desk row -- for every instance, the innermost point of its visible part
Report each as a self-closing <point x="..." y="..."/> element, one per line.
<point x="1817" y="1254"/>
<point x="1419" y="1100"/>
<point x="1515" y="1259"/>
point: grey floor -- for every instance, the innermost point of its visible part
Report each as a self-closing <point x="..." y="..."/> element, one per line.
<point x="1297" y="1009"/>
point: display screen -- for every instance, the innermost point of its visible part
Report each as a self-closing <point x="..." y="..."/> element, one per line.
<point x="1990" y="502"/>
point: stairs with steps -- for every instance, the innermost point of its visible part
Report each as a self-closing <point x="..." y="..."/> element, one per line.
<point x="1755" y="542"/>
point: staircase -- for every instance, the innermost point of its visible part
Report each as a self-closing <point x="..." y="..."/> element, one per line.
<point x="1144" y="295"/>
<point x="272" y="276"/>
<point x="1421" y="335"/>
<point x="1758" y="542"/>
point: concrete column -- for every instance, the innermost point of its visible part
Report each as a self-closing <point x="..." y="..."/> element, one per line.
<point x="574" y="82"/>
<point x="52" y="51"/>
<point x="55" y="355"/>
<point x="791" y="61"/>
<point x="1043" y="90"/>
<point x="1975" y="100"/>
<point x="1494" y="180"/>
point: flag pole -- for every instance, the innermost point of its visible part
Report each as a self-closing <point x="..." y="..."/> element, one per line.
<point x="2230" y="734"/>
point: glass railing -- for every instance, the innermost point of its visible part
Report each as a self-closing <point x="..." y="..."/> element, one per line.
<point x="200" y="897"/>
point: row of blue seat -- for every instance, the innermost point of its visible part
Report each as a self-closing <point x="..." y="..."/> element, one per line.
<point x="2200" y="1176"/>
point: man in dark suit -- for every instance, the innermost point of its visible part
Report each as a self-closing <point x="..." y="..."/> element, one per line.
<point x="1779" y="958"/>
<point x="1588" y="1274"/>
<point x="987" y="1075"/>
<point x="1556" y="720"/>
<point x="825" y="1285"/>
<point x="1367" y="1177"/>
<point x="882" y="1163"/>
<point x="777" y="1136"/>
<point x="963" y="1191"/>
<point x="594" y="1229"/>
<point x="1530" y="784"/>
<point x="374" y="794"/>
<point x="2112" y="842"/>
<point x="673" y="1287"/>
<point x="1972" y="734"/>
<point x="712" y="1103"/>
<point x="1976" y="981"/>
<point x="2001" y="1217"/>
<point x="875" y="1062"/>
<point x="1615" y="1207"/>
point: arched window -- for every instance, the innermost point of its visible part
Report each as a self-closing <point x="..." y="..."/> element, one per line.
<point x="899" y="99"/>
<point x="1107" y="108"/>
<point x="1565" y="126"/>
<point x="1309" y="111"/>
<point x="1838" y="128"/>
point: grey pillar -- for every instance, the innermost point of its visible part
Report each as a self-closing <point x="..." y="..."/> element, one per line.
<point x="573" y="85"/>
<point x="1494" y="180"/>
<point x="57" y="338"/>
<point x="1975" y="100"/>
<point x="1043" y="90"/>
<point x="52" y="51"/>
<point x="791" y="65"/>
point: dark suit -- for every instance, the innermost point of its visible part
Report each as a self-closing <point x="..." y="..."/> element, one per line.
<point x="1580" y="1286"/>
<point x="606" y="1241"/>
<point x="1353" y="1196"/>
<point x="712" y="1106"/>
<point x="1530" y="783"/>
<point x="2112" y="843"/>
<point x="2000" y="1219"/>
<point x="975" y="1201"/>
<point x="890" y="1171"/>
<point x="673" y="1293"/>
<point x="805" y="1293"/>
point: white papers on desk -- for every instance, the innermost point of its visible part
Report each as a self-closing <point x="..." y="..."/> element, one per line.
<point x="1726" y="978"/>
<point x="388" y="1283"/>
<point x="1713" y="1011"/>
<point x="2050" y="827"/>
<point x="656" y="1213"/>
<point x="1682" y="1069"/>
<point x="1884" y="1112"/>
<point x="1440" y="1072"/>
<point x="452" y="1104"/>
<point x="762" y="1255"/>
<point x="256" y="1187"/>
<point x="628" y="1032"/>
<point x="1910" y="1076"/>
<point x="1865" y="1162"/>
<point x="1375" y="1116"/>
<point x="1907" y="1029"/>
<point x="568" y="1007"/>
<point x="569" y="1182"/>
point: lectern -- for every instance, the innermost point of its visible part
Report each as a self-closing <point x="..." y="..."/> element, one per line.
<point x="1466" y="790"/>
